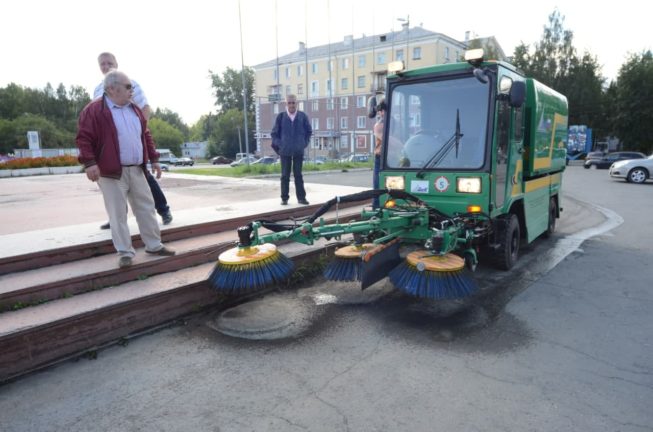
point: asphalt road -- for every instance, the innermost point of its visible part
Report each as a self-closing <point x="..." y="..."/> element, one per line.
<point x="561" y="343"/>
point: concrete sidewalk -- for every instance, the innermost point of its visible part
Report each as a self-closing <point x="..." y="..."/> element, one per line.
<point x="50" y="212"/>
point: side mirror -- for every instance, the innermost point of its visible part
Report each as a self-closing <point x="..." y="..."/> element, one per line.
<point x="371" y="107"/>
<point x="517" y="94"/>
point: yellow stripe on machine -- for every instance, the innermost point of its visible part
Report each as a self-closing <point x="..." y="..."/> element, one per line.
<point x="545" y="162"/>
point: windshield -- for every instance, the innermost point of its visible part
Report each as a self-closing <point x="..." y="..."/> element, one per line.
<point x="423" y="119"/>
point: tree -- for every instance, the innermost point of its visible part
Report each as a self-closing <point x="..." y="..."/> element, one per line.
<point x="173" y="119"/>
<point x="227" y="138"/>
<point x="229" y="90"/>
<point x="166" y="136"/>
<point x="634" y="103"/>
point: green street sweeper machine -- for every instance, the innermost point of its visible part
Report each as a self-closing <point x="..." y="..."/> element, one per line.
<point x="471" y="167"/>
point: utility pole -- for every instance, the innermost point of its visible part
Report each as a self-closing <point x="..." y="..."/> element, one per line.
<point x="242" y="75"/>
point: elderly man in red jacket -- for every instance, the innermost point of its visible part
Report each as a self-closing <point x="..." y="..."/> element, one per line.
<point x="114" y="147"/>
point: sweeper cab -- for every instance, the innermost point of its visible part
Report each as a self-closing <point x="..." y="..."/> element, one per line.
<point x="471" y="167"/>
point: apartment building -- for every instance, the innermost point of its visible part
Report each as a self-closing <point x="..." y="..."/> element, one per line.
<point x="333" y="83"/>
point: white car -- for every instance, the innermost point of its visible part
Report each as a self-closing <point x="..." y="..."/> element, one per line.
<point x="633" y="170"/>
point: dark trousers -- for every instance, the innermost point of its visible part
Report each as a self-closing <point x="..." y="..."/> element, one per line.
<point x="375" y="179"/>
<point x="160" y="202"/>
<point x="294" y="163"/>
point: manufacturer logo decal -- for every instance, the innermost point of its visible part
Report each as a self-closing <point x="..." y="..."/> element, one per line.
<point x="419" y="186"/>
<point x="441" y="184"/>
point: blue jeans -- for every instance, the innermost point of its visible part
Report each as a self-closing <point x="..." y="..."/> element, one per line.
<point x="160" y="202"/>
<point x="294" y="163"/>
<point x="375" y="179"/>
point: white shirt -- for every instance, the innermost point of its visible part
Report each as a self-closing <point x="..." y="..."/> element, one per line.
<point x="139" y="97"/>
<point x="128" y="127"/>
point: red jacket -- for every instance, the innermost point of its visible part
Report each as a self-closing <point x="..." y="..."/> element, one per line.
<point x="97" y="139"/>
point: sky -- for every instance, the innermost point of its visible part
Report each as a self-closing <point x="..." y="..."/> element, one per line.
<point x="170" y="46"/>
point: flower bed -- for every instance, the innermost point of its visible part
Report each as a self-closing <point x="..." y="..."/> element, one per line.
<point x="40" y="162"/>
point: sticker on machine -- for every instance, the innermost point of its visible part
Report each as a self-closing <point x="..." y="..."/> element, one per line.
<point x="419" y="186"/>
<point x="441" y="184"/>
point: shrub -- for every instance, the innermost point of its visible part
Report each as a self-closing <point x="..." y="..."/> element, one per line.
<point x="40" y="162"/>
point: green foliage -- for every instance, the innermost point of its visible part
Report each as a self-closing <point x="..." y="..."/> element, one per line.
<point x="173" y="119"/>
<point x="634" y="103"/>
<point x="165" y="135"/>
<point x="229" y="89"/>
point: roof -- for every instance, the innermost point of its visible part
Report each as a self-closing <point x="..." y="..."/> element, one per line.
<point x="361" y="44"/>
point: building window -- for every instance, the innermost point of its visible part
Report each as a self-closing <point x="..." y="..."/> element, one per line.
<point x="314" y="68"/>
<point x="315" y="123"/>
<point x="330" y="104"/>
<point x="458" y="56"/>
<point x="400" y="55"/>
<point x="287" y="71"/>
<point x="300" y="106"/>
<point x="300" y="70"/>
<point x="344" y="84"/>
<point x="361" y="61"/>
<point x="328" y="87"/>
<point x="330" y="123"/>
<point x="300" y="89"/>
<point x="345" y="63"/>
<point x="344" y="141"/>
<point x="344" y="102"/>
<point x="360" y="102"/>
<point x="330" y="65"/>
<point x="380" y="58"/>
<point x="417" y="53"/>
<point x="361" y="122"/>
<point x="344" y="122"/>
<point x="288" y="90"/>
<point x="315" y="88"/>
<point x="316" y="106"/>
<point x="361" y="81"/>
<point x="446" y="55"/>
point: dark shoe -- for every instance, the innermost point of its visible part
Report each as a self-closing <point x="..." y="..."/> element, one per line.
<point x="164" y="251"/>
<point x="124" y="262"/>
<point x="284" y="202"/>
<point x="303" y="201"/>
<point x="166" y="218"/>
<point x="105" y="226"/>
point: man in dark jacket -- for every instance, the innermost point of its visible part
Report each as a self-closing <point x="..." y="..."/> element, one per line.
<point x="290" y="136"/>
<point x="114" y="147"/>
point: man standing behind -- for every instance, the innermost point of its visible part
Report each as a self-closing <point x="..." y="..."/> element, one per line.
<point x="114" y="147"/>
<point x="108" y="62"/>
<point x="290" y="136"/>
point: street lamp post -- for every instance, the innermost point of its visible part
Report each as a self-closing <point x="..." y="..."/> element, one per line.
<point x="407" y="24"/>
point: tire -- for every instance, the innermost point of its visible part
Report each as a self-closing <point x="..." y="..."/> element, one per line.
<point x="587" y="166"/>
<point x="637" y="175"/>
<point x="508" y="253"/>
<point x="553" y="214"/>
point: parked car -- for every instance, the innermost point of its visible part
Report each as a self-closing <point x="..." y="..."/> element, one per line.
<point x="243" y="161"/>
<point x="633" y="170"/>
<point x="184" y="161"/>
<point x="164" y="167"/>
<point x="606" y="160"/>
<point x="265" y="160"/>
<point x="221" y="160"/>
<point x="358" y="158"/>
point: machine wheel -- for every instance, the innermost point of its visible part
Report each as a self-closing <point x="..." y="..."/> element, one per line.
<point x="637" y="175"/>
<point x="470" y="262"/>
<point x="553" y="214"/>
<point x="508" y="252"/>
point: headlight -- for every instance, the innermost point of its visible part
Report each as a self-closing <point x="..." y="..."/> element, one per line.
<point x="468" y="185"/>
<point x="395" y="183"/>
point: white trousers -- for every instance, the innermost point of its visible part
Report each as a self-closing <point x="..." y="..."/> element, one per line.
<point x="133" y="188"/>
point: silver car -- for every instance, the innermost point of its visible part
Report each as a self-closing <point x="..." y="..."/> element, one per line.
<point x="633" y="170"/>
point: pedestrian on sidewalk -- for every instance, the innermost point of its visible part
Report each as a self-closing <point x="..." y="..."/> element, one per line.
<point x="115" y="146"/>
<point x="290" y="136"/>
<point x="107" y="62"/>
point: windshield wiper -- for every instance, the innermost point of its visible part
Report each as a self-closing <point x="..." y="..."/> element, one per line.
<point x="454" y="140"/>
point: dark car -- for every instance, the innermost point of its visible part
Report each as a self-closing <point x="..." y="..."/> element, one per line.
<point x="604" y="161"/>
<point x="221" y="160"/>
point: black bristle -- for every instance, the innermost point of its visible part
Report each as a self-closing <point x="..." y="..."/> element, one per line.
<point x="250" y="277"/>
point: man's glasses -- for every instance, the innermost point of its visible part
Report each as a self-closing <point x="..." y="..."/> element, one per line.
<point x="290" y="103"/>
<point x="128" y="86"/>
